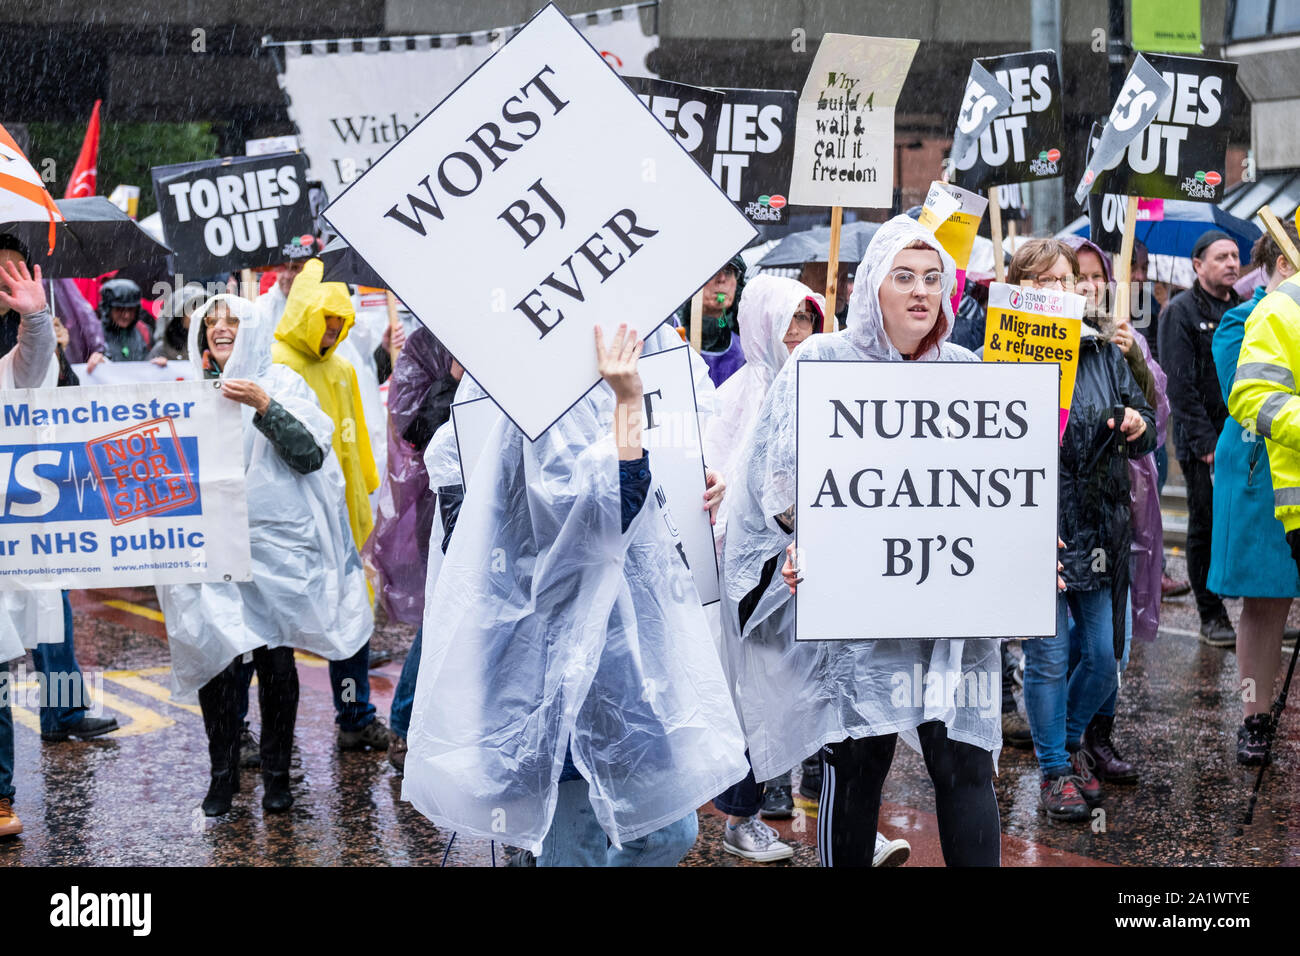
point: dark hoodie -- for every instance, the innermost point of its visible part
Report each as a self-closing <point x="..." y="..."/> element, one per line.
<point x="715" y="335"/>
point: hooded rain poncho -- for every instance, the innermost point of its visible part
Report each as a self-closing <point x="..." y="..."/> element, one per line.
<point x="549" y="628"/>
<point x="297" y="345"/>
<point x="795" y="697"/>
<point x="309" y="588"/>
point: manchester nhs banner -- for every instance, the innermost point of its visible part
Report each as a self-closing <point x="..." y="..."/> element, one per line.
<point x="121" y="485"/>
<point x="537" y="201"/>
<point x="353" y="99"/>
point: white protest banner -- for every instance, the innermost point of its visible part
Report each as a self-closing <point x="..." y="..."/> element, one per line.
<point x="926" y="500"/>
<point x="473" y="422"/>
<point x="353" y="99"/>
<point x="121" y="485"/>
<point x="131" y="373"/>
<point x="671" y="435"/>
<point x="542" y="198"/>
<point x="844" y="131"/>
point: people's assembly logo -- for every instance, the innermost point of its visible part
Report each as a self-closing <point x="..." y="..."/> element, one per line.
<point x="141" y="471"/>
<point x="1045" y="163"/>
<point x="766" y="208"/>
<point x="1202" y="184"/>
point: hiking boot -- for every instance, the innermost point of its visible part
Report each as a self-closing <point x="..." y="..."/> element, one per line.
<point x="1107" y="763"/>
<point x="755" y="840"/>
<point x="1015" y="730"/>
<point x="1170" y="588"/>
<point x="890" y="852"/>
<point x="374" y="735"/>
<point x="1060" y="799"/>
<point x="1253" y="738"/>
<point x="516" y="856"/>
<point x="777" y="802"/>
<point x="1087" y="782"/>
<point x="1218" y="633"/>
<point x="83" y="729"/>
<point x="10" y="825"/>
<point x="221" y="791"/>
<point x="810" y="783"/>
<point x="250" y="751"/>
<point x="397" y="752"/>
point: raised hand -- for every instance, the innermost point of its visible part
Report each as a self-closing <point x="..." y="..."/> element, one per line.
<point x="618" y="364"/>
<point x="20" y="290"/>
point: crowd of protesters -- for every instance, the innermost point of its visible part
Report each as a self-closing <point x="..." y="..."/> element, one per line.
<point x="532" y="699"/>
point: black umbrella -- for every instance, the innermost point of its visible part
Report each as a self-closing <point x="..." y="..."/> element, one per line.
<point x="96" y="237"/>
<point x="814" y="245"/>
<point x="343" y="264"/>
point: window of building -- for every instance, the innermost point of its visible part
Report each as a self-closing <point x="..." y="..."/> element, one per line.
<point x="1256" y="19"/>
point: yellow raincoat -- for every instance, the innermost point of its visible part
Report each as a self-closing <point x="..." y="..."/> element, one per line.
<point x="333" y="379"/>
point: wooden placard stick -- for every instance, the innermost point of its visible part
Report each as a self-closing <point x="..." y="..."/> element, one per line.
<point x="833" y="262"/>
<point x="1275" y="230"/>
<point x="393" y="323"/>
<point x="1124" y="264"/>
<point x="995" y="233"/>
<point x="697" y="320"/>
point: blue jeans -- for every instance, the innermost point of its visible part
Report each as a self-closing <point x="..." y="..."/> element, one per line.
<point x="6" y="735"/>
<point x="1060" y="700"/>
<point x="352" y="715"/>
<point x="58" y="664"/>
<point x="576" y="839"/>
<point x="404" y="695"/>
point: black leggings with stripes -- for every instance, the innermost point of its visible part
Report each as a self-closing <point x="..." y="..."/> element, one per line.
<point x="854" y="771"/>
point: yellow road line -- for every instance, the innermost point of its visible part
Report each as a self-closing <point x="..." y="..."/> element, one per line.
<point x="138" y="609"/>
<point x="310" y="659"/>
<point x="142" y="719"/>
<point x="133" y="681"/>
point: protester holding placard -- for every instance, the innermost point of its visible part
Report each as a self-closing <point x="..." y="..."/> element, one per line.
<point x="307" y="585"/>
<point x="1147" y="552"/>
<point x="1187" y="326"/>
<point x="1110" y="422"/>
<point x="1249" y="556"/>
<point x="796" y="696"/>
<point x="317" y="318"/>
<point x="569" y="690"/>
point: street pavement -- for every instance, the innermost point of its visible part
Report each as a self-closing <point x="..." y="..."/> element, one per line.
<point x="131" y="798"/>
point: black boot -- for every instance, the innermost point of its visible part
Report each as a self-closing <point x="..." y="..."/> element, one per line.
<point x="217" y="701"/>
<point x="277" y="680"/>
<point x="221" y="791"/>
<point x="1110" y="766"/>
<point x="276" y="797"/>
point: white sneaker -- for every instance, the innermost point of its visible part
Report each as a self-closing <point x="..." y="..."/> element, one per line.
<point x="890" y="852"/>
<point x="755" y="840"/>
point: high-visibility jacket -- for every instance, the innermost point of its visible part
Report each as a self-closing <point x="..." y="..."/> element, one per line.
<point x="1264" y="398"/>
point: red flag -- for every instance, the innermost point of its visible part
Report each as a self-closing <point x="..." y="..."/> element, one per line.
<point x="84" y="174"/>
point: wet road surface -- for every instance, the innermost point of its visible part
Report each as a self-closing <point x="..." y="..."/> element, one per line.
<point x="132" y="798"/>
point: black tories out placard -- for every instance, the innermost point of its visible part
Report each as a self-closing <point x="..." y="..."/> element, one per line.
<point x="744" y="138"/>
<point x="1181" y="154"/>
<point x="230" y="214"/>
<point x="1022" y="143"/>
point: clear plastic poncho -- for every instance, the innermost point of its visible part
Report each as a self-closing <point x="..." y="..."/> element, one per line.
<point x="547" y="628"/>
<point x="765" y="313"/>
<point x="794" y="697"/>
<point x="309" y="588"/>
